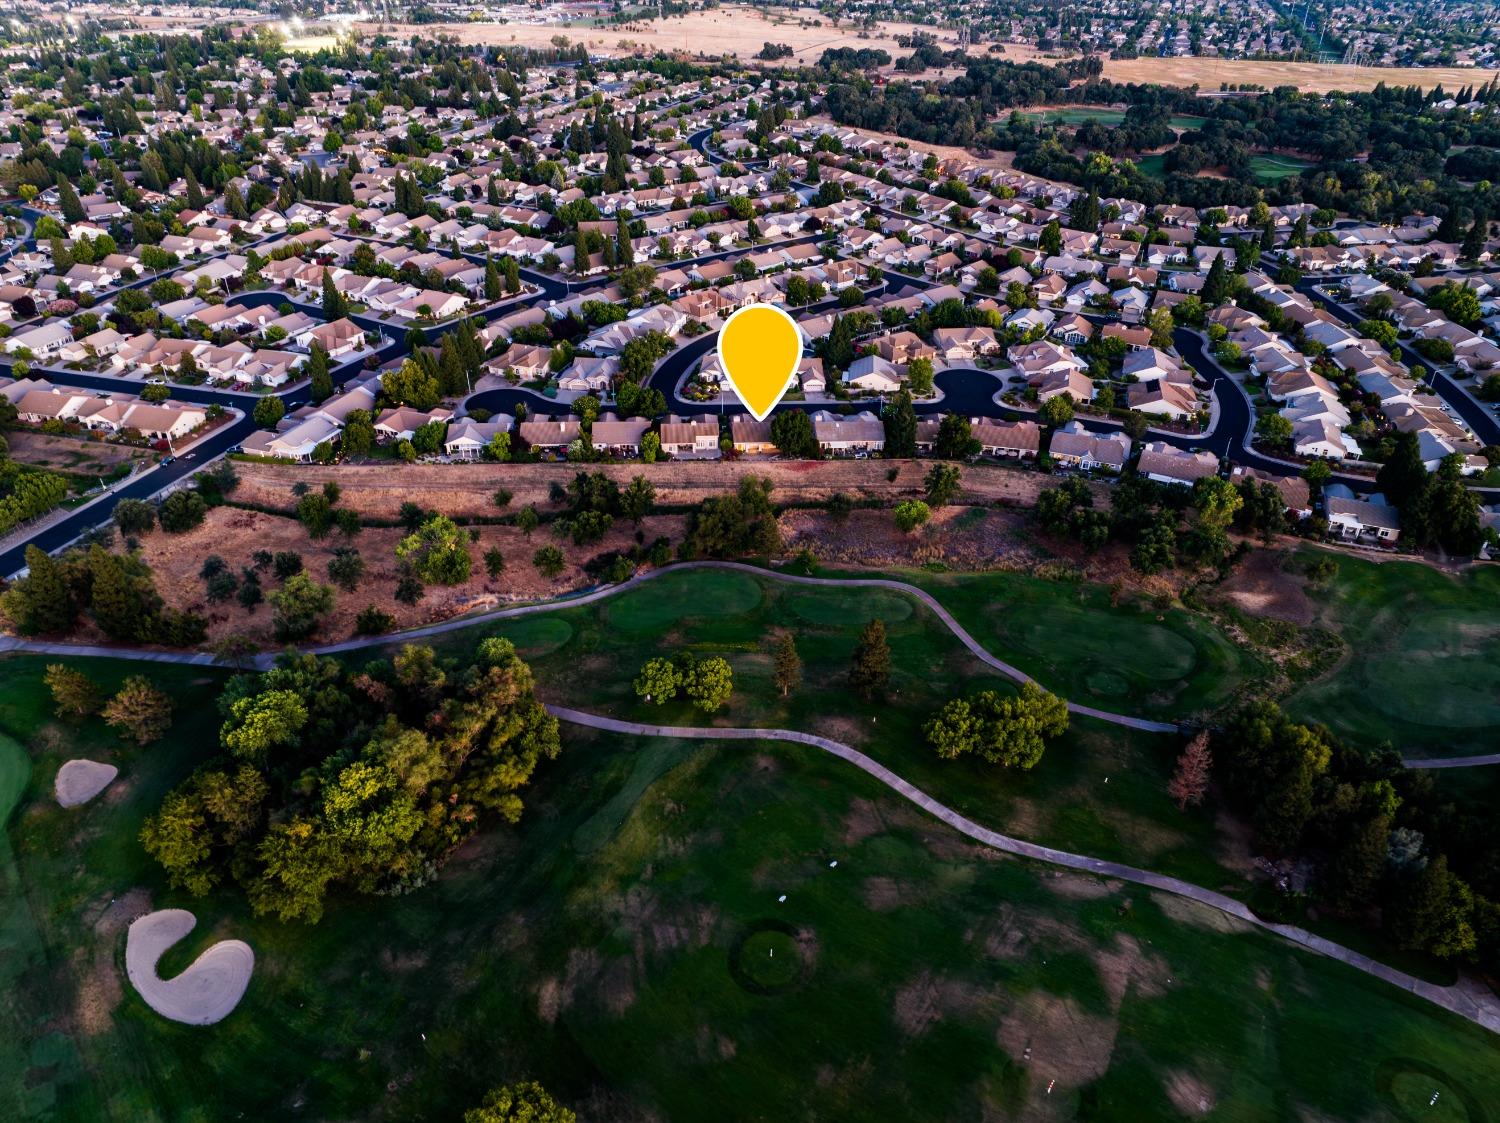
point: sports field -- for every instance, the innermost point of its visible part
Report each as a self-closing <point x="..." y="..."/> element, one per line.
<point x="1423" y="666"/>
<point x="620" y="945"/>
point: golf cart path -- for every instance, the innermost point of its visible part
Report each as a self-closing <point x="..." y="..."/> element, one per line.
<point x="1467" y="998"/>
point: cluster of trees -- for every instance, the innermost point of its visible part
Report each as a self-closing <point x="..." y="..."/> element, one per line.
<point x="26" y="492"/>
<point x="707" y="683"/>
<point x="519" y="1103"/>
<point x="363" y="780"/>
<point x="727" y="526"/>
<point x="1387" y="848"/>
<point x="1403" y="146"/>
<point x="1009" y="730"/>
<point x="1162" y="523"/>
<point x="115" y="591"/>
<point x="138" y="710"/>
<point x="1437" y="508"/>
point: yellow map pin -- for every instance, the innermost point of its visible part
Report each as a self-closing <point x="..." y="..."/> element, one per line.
<point x="759" y="349"/>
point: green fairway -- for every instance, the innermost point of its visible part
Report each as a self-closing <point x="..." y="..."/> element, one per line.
<point x="1078" y="115"/>
<point x="625" y="945"/>
<point x="1268" y="168"/>
<point x="1153" y="166"/>
<point x="1423" y="663"/>
<point x="1131" y="658"/>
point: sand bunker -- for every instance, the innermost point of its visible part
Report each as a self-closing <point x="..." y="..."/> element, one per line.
<point x="79" y="781"/>
<point x="203" y="994"/>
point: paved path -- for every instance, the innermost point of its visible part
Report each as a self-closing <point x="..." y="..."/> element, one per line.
<point x="1467" y="998"/>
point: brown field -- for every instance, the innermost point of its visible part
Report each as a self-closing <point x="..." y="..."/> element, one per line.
<point x="995" y="161"/>
<point x="1310" y="77"/>
<point x="69" y="454"/>
<point x="467" y="489"/>
<point x="735" y="32"/>
<point x="235" y="535"/>
<point x="740" y="32"/>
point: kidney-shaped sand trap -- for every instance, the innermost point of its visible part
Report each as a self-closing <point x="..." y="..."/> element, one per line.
<point x="79" y="781"/>
<point x="203" y="994"/>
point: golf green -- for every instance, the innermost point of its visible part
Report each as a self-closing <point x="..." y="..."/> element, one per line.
<point x="678" y="596"/>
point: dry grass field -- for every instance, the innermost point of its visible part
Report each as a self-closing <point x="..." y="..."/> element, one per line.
<point x="468" y="489"/>
<point x="735" y="32"/>
<point x="740" y="32"/>
<point x="1310" y="77"/>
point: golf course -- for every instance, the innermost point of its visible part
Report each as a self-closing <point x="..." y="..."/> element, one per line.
<point x="627" y="944"/>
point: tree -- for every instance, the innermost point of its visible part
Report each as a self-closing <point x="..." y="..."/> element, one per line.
<point x="134" y="516"/>
<point x="549" y="561"/>
<point x="74" y="694"/>
<point x="910" y="514"/>
<point x="1056" y="411"/>
<point x="955" y="438"/>
<point x="1216" y="284"/>
<point x="300" y="604"/>
<point x="1428" y="911"/>
<point x="942" y="484"/>
<point x="1353" y="872"/>
<point x="1275" y="429"/>
<point x="1447" y="513"/>
<point x="792" y="434"/>
<point x="637" y="499"/>
<point x="437" y="552"/>
<point x="900" y="427"/>
<point x="709" y="683"/>
<point x="320" y="380"/>
<point x="1161" y="324"/>
<point x="346" y="568"/>
<point x="182" y="511"/>
<point x="519" y="1103"/>
<point x="262" y="722"/>
<point x="919" y="377"/>
<point x="41" y="603"/>
<point x="871" y="669"/>
<point x="268" y="412"/>
<point x="315" y="514"/>
<point x="68" y="201"/>
<point x="1403" y="477"/>
<point x="1476" y="237"/>
<point x="1050" y="240"/>
<point x="335" y="307"/>
<point x="658" y="681"/>
<point x="1009" y="731"/>
<point x="1189" y="783"/>
<point x="788" y="664"/>
<point x="139" y="710"/>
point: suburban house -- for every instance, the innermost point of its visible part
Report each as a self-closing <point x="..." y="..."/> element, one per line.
<point x="1017" y="439"/>
<point x="1167" y="464"/>
<point x="549" y="434"/>
<point x="861" y="434"/>
<point x="402" y="422"/>
<point x="696" y="438"/>
<point x="1369" y="518"/>
<point x="1073" y="446"/>
<point x="467" y="439"/>
<point x="751" y="437"/>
